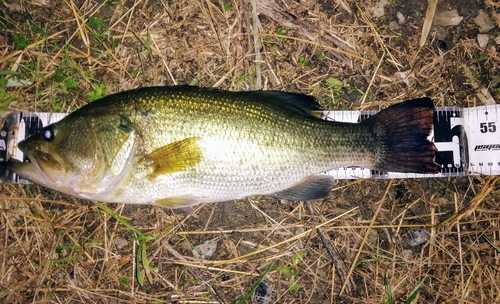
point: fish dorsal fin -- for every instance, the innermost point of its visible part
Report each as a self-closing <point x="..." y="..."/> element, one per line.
<point x="310" y="188"/>
<point x="174" y="157"/>
<point x="300" y="103"/>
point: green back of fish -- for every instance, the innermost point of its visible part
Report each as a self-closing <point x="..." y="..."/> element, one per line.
<point x="273" y="119"/>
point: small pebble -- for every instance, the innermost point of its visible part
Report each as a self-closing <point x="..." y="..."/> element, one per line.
<point x="497" y="39"/>
<point x="206" y="249"/>
<point x="264" y="294"/>
<point x="447" y="18"/>
<point x="482" y="40"/>
<point x="441" y="32"/>
<point x="401" y="18"/>
<point x="484" y="22"/>
<point x="393" y="25"/>
<point x="120" y="242"/>
<point x="407" y="254"/>
<point x="378" y="9"/>
<point x="417" y="236"/>
<point x="299" y="245"/>
<point x="405" y="76"/>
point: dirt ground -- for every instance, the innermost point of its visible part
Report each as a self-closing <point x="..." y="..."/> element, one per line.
<point x="371" y="241"/>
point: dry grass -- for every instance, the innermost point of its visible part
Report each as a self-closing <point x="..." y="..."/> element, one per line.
<point x="56" y="249"/>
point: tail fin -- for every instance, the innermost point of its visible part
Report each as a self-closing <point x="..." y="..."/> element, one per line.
<point x="402" y="132"/>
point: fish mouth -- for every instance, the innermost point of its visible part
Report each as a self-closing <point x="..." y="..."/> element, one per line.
<point x="42" y="169"/>
<point x="27" y="170"/>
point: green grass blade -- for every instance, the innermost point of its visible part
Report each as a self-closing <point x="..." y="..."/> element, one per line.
<point x="388" y="292"/>
<point x="119" y="218"/>
<point x="145" y="262"/>
<point x="415" y="291"/>
<point x="492" y="244"/>
<point x="138" y="267"/>
<point x="67" y="259"/>
<point x="256" y="285"/>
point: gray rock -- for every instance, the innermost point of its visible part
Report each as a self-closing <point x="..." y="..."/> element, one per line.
<point x="264" y="294"/>
<point x="417" y="236"/>
<point x="447" y="18"/>
<point x="394" y="26"/>
<point x="484" y="22"/>
<point x="120" y="242"/>
<point x="401" y="18"/>
<point x="482" y="40"/>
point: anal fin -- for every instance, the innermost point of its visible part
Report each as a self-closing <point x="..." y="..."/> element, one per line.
<point x="310" y="188"/>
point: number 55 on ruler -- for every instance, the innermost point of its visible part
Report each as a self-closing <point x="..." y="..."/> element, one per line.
<point x="483" y="139"/>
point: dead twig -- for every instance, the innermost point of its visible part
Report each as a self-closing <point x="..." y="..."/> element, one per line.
<point x="429" y="17"/>
<point x="341" y="267"/>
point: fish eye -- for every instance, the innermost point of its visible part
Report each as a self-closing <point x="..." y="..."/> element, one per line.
<point x="49" y="133"/>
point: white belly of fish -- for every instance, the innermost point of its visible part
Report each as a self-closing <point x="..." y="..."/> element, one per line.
<point x="229" y="169"/>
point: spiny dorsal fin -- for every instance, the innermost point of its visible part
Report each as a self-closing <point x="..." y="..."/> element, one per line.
<point x="300" y="103"/>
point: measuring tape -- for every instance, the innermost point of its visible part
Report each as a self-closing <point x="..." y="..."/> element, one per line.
<point x="467" y="140"/>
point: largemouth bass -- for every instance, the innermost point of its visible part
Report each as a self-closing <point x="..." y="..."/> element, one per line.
<point x="180" y="146"/>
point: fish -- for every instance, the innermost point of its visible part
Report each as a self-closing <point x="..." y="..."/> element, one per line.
<point x="179" y="146"/>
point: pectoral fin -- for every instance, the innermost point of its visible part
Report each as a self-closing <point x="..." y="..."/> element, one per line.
<point x="175" y="157"/>
<point x="310" y="188"/>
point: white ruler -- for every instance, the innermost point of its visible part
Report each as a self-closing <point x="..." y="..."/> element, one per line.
<point x="467" y="139"/>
